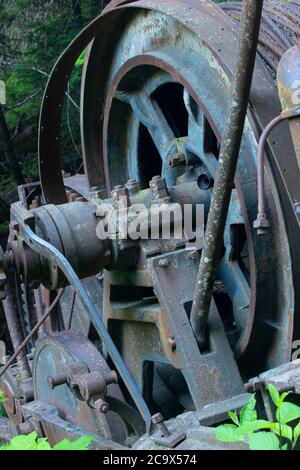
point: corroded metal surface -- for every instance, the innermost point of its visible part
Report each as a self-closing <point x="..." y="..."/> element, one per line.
<point x="161" y="56"/>
<point x="154" y="100"/>
<point x="228" y="158"/>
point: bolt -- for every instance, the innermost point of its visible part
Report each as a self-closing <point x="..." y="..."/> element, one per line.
<point x="158" y="421"/>
<point x="193" y="254"/>
<point x="177" y="159"/>
<point x="119" y="192"/>
<point x="158" y="187"/>
<point x="111" y="378"/>
<point x="94" y="189"/>
<point x="96" y="192"/>
<point x="132" y="185"/>
<point x="102" y="406"/>
<point x="57" y="380"/>
<point x="261" y="224"/>
<point x="172" y="343"/>
<point x="163" y="263"/>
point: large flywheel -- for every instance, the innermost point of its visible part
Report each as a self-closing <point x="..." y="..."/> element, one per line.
<point x="155" y="96"/>
<point x="115" y="348"/>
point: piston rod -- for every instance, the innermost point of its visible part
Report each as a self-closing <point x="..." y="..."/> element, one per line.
<point x="248" y="40"/>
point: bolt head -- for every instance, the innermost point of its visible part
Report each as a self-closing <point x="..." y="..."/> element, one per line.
<point x="163" y="263"/>
<point x="157" y="418"/>
<point x="102" y="406"/>
<point x="119" y="192"/>
<point x="261" y="224"/>
<point x="158" y="184"/>
<point x="193" y="254"/>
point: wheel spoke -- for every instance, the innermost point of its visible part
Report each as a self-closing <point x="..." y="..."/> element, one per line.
<point x="199" y="135"/>
<point x="230" y="271"/>
<point x="237" y="288"/>
<point x="151" y="116"/>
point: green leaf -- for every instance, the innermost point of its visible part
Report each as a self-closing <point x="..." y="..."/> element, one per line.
<point x="264" y="441"/>
<point x="248" y="412"/>
<point x="80" y="444"/>
<point x="31" y="442"/>
<point x="2" y="397"/>
<point x="282" y="398"/>
<point x="233" y="416"/>
<point x="283" y="430"/>
<point x="251" y="427"/>
<point x="296" y="433"/>
<point x="287" y="412"/>
<point x="228" y="433"/>
<point x="274" y="394"/>
<point x="22" y="443"/>
<point x="42" y="444"/>
<point x="81" y="59"/>
<point x="2" y="411"/>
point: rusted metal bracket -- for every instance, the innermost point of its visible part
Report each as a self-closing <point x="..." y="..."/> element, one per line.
<point x="57" y="429"/>
<point x="285" y="377"/>
<point x="211" y="375"/>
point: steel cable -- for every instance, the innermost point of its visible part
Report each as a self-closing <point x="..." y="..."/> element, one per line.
<point x="33" y="331"/>
<point x="280" y="27"/>
<point x="71" y="311"/>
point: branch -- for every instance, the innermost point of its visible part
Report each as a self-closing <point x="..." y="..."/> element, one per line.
<point x="67" y="94"/>
<point x="10" y="155"/>
<point x="21" y="103"/>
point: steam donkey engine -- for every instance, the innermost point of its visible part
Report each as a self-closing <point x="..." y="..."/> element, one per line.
<point x="149" y="342"/>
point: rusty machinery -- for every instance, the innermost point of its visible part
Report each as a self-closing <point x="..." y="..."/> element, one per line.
<point x="147" y="343"/>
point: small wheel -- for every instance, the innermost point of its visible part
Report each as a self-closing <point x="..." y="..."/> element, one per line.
<point x="56" y="355"/>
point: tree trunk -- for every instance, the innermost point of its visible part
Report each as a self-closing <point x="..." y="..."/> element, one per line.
<point x="76" y="6"/>
<point x="10" y="155"/>
<point x="4" y="211"/>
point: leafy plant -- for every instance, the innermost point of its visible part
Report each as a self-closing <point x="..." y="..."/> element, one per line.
<point x="2" y="399"/>
<point x="261" y="434"/>
<point x="32" y="442"/>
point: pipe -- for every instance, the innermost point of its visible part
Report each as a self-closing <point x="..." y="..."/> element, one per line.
<point x="261" y="224"/>
<point x="248" y="40"/>
<point x="288" y="80"/>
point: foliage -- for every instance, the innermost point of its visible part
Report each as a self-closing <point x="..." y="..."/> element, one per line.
<point x="32" y="442"/>
<point x="33" y="34"/>
<point x="2" y="399"/>
<point x="261" y="434"/>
